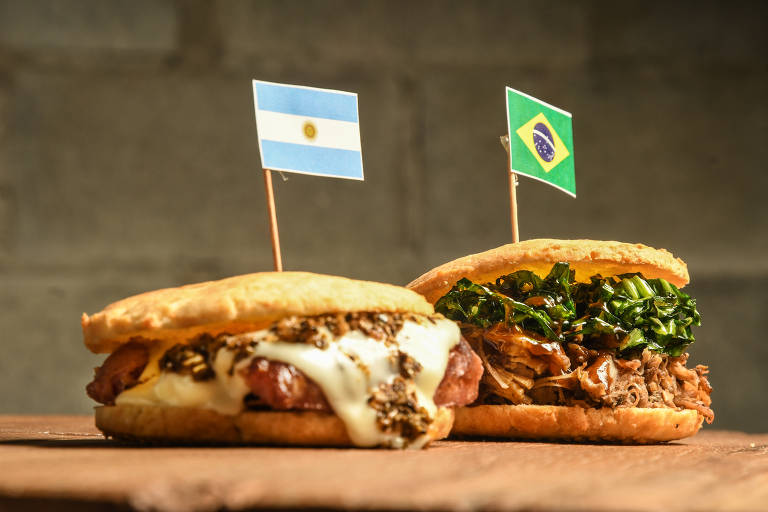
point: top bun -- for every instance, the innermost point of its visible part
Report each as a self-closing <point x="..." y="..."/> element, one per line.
<point x="587" y="258"/>
<point x="240" y="304"/>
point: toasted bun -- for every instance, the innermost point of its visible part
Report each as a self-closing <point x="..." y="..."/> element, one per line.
<point x="186" y="425"/>
<point x="587" y="258"/>
<point x="240" y="304"/>
<point x="629" y="425"/>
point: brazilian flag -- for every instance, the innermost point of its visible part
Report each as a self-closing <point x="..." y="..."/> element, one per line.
<point x="540" y="141"/>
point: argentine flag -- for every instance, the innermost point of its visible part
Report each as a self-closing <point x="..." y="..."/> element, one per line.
<point x="308" y="130"/>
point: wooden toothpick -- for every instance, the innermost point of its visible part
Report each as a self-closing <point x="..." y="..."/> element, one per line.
<point x="276" y="255"/>
<point x="512" y="191"/>
<point x="513" y="206"/>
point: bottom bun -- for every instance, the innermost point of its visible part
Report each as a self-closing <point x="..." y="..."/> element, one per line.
<point x="628" y="425"/>
<point x="188" y="425"/>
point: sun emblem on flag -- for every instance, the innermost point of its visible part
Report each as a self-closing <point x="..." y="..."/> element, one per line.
<point x="543" y="142"/>
<point x="310" y="130"/>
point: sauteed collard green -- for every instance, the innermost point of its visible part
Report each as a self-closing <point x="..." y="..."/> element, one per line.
<point x="628" y="311"/>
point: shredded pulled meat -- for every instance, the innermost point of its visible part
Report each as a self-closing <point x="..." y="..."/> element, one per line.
<point x="523" y="368"/>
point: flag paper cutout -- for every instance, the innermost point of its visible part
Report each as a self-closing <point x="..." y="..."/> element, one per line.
<point x="540" y="141"/>
<point x="308" y="130"/>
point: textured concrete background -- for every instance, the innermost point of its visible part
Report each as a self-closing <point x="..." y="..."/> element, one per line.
<point x="128" y="156"/>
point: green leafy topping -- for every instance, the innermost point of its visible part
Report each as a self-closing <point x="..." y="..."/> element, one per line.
<point x="627" y="312"/>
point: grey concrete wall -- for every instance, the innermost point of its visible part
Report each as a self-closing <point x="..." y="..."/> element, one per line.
<point x="128" y="156"/>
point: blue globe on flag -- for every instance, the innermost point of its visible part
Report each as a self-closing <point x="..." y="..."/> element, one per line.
<point x="544" y="142"/>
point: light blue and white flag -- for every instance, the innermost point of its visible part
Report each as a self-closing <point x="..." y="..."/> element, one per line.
<point x="308" y="130"/>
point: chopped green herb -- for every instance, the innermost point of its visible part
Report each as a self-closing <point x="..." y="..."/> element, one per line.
<point x="634" y="312"/>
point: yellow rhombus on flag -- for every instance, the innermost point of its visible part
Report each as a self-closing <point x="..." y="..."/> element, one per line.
<point x="526" y="133"/>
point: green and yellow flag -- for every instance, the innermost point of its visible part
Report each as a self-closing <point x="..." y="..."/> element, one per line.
<point x="540" y="141"/>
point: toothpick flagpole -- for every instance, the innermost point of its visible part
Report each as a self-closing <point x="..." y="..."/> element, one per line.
<point x="512" y="191"/>
<point x="276" y="255"/>
<point x="513" y="206"/>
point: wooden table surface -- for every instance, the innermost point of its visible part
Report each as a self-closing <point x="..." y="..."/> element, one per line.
<point x="63" y="463"/>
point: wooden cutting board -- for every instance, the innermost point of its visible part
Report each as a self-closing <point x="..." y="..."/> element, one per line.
<point x="63" y="463"/>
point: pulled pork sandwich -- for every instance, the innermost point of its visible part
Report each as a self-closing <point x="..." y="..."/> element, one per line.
<point x="284" y="358"/>
<point x="580" y="340"/>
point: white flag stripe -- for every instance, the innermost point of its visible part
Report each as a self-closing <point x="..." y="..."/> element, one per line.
<point x="329" y="133"/>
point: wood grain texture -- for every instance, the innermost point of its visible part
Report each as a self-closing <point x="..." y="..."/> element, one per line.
<point x="63" y="460"/>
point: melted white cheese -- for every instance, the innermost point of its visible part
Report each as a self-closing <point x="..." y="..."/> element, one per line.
<point x="347" y="371"/>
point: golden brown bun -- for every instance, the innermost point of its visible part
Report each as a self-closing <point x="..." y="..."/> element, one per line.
<point x="630" y="425"/>
<point x="587" y="258"/>
<point x="187" y="425"/>
<point x="240" y="304"/>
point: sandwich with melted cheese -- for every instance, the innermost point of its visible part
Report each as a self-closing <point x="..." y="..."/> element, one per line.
<point x="279" y="358"/>
<point x="580" y="340"/>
